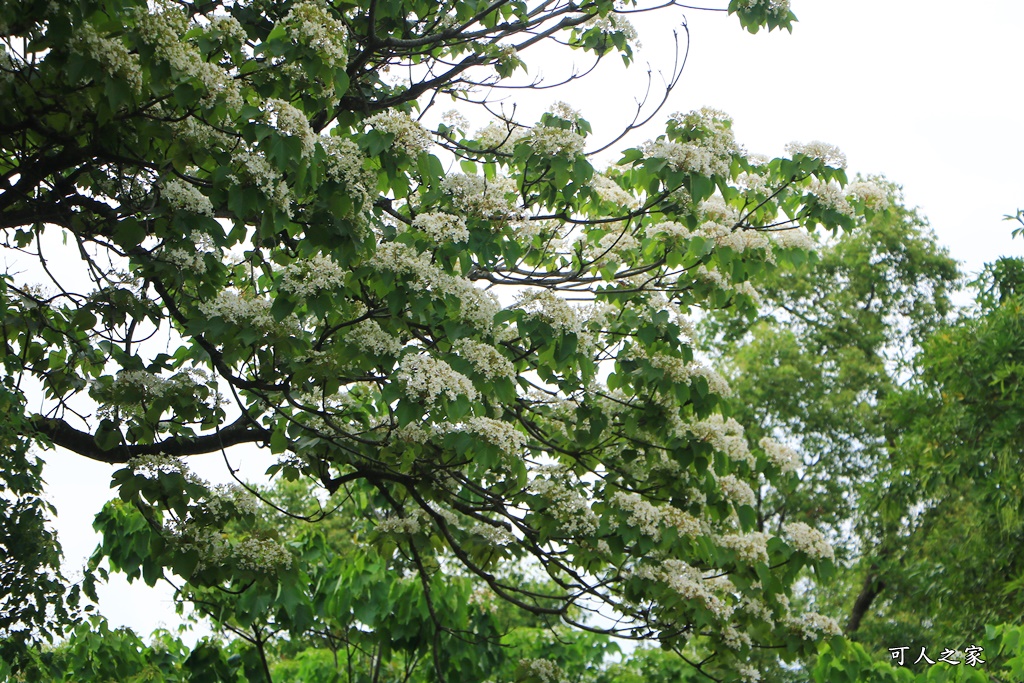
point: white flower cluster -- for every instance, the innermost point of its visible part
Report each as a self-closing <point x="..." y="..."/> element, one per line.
<point x="289" y="120"/>
<point x="776" y="7"/>
<point x="368" y="336"/>
<point x="752" y="546"/>
<point x="427" y="378"/>
<point x="613" y="23"/>
<point x="477" y="306"/>
<point x="748" y="673"/>
<point x="780" y="455"/>
<point x="610" y="191"/>
<point x="689" y="583"/>
<point x="831" y="195"/>
<point x="544" y="670"/>
<point x="813" y="625"/>
<point x="261" y="555"/>
<point x="255" y="166"/>
<point x="487" y="360"/>
<point x="345" y="164"/>
<point x="111" y="53"/>
<point x="160" y="464"/>
<point x="164" y="28"/>
<point x="186" y="197"/>
<point x="410" y="137"/>
<point x="735" y="639"/>
<point x="679" y="370"/>
<point x="550" y="308"/>
<point x="737" y="239"/>
<point x="499" y="433"/>
<point x="830" y="154"/>
<point x="481" y="197"/>
<point x="495" y="535"/>
<point x="795" y="238"/>
<point x="149" y="385"/>
<point x="643" y="516"/>
<point x="551" y="141"/>
<point x="311" y="24"/>
<point x="726" y="436"/>
<point x="737" y="490"/>
<point x="709" y="154"/>
<point x="395" y="524"/>
<point x="194" y="259"/>
<point x="808" y="540"/>
<point x="229" y="27"/>
<point x="872" y="194"/>
<point x="455" y="119"/>
<point x="501" y="137"/>
<point x="245" y="310"/>
<point x="306" y="277"/>
<point x="568" y="505"/>
<point x="442" y="227"/>
<point x="717" y="210"/>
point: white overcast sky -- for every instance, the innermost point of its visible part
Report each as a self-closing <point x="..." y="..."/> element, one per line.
<point x="926" y="92"/>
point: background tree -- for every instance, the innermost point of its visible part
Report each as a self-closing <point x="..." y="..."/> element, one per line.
<point x="265" y="248"/>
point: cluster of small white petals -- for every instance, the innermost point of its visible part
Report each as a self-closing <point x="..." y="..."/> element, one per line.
<point x="610" y="191"/>
<point x="186" y="197"/>
<point x="813" y="625"/>
<point x="550" y="308"/>
<point x="311" y="24"/>
<point x="552" y="141"/>
<point x="497" y="536"/>
<point x="255" y="166"/>
<point x="164" y="29"/>
<point x="748" y="673"/>
<point x="455" y="119"/>
<point x="427" y="378"/>
<point x="544" y="670"/>
<point x="501" y="136"/>
<point x="717" y="210"/>
<point x="725" y="435"/>
<point x="796" y="238"/>
<point x="776" y="7"/>
<point x="111" y="53"/>
<point x="688" y="582"/>
<point x="808" y="540"/>
<point x="486" y="359"/>
<point x="345" y="164"/>
<point x="247" y="310"/>
<point x="306" y="277"/>
<point x="872" y="194"/>
<point x="614" y="23"/>
<point x="482" y="197"/>
<point x="442" y="227"/>
<point x="713" y="276"/>
<point x="150" y="385"/>
<point x="568" y="505"/>
<point x="261" y="555"/>
<point x="194" y="259"/>
<point x="669" y="229"/>
<point x="289" y="120"/>
<point x="679" y="370"/>
<point x="737" y="490"/>
<point x="499" y="433"/>
<point x="476" y="306"/>
<point x="692" y="157"/>
<point x="830" y="154"/>
<point x="735" y="639"/>
<point x="413" y="524"/>
<point x="368" y="336"/>
<point x="616" y="242"/>
<point x="228" y="26"/>
<point x="159" y="464"/>
<point x="780" y="455"/>
<point x="756" y="607"/>
<point x="752" y="182"/>
<point x="643" y="516"/>
<point x="685" y="523"/>
<point x="737" y="239"/>
<point x="752" y="546"/>
<point x="831" y="195"/>
<point x="410" y="137"/>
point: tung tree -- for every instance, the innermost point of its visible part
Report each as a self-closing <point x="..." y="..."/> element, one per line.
<point x="233" y="228"/>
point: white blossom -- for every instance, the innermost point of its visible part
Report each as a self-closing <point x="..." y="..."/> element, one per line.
<point x="808" y="540"/>
<point x="186" y="197"/>
<point x="780" y="455"/>
<point x="830" y="154"/>
<point x="442" y="227"/>
<point x="311" y="24"/>
<point x="409" y="136"/>
<point x="426" y="377"/>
